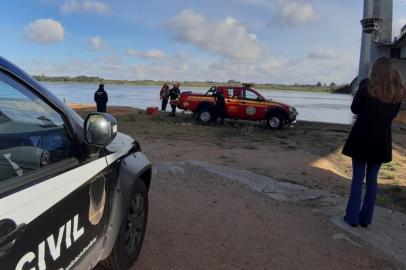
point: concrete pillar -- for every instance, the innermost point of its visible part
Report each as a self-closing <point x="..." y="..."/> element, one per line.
<point x="370" y="50"/>
<point x="384" y="9"/>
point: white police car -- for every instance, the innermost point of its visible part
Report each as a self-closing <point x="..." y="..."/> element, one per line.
<point x="73" y="193"/>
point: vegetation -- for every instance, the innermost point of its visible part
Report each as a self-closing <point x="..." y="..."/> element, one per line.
<point x="319" y="87"/>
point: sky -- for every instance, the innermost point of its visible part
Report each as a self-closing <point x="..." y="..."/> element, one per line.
<point x="275" y="41"/>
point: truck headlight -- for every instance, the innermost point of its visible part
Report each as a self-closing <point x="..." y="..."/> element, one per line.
<point x="293" y="110"/>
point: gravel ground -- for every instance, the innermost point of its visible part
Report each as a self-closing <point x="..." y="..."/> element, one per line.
<point x="199" y="220"/>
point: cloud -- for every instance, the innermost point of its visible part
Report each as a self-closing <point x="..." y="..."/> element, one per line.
<point x="256" y="2"/>
<point x="44" y="31"/>
<point x="153" y="53"/>
<point x="293" y="13"/>
<point x="228" y="38"/>
<point x="70" y="6"/>
<point x="185" y="67"/>
<point x="176" y="67"/>
<point x="323" y="54"/>
<point x="397" y="26"/>
<point x="97" y="43"/>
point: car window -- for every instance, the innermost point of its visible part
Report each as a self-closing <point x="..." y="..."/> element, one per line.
<point x="248" y="94"/>
<point x="232" y="93"/>
<point x="32" y="134"/>
<point x="212" y="91"/>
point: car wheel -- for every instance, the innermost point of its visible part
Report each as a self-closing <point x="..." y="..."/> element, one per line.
<point x="129" y="241"/>
<point x="275" y="121"/>
<point x="205" y="116"/>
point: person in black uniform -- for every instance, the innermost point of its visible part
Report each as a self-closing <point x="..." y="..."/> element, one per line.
<point x="101" y="98"/>
<point x="221" y="110"/>
<point x="369" y="144"/>
<point x="174" y="94"/>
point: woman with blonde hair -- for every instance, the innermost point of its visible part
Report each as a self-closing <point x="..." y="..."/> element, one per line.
<point x="369" y="144"/>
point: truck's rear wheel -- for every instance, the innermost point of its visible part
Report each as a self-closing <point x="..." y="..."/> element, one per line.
<point x="275" y="121"/>
<point x="129" y="241"/>
<point x="206" y="115"/>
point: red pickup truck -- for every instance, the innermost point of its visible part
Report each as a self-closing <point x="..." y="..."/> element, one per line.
<point x="242" y="102"/>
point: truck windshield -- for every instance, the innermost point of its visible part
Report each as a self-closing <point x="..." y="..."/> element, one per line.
<point x="252" y="95"/>
<point x="211" y="91"/>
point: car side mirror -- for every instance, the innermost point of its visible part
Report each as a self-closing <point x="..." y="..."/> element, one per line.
<point x="100" y="129"/>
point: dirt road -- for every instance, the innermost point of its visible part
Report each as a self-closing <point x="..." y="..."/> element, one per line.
<point x="200" y="220"/>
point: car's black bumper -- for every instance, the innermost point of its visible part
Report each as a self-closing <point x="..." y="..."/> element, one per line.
<point x="292" y="115"/>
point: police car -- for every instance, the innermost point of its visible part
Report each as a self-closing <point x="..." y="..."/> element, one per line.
<point x="73" y="193"/>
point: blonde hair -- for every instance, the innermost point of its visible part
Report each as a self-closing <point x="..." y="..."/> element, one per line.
<point x="385" y="83"/>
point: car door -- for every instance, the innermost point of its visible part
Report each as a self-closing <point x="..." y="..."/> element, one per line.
<point x="231" y="97"/>
<point x="251" y="106"/>
<point x="53" y="204"/>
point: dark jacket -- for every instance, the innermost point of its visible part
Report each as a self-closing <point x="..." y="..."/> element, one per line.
<point x="370" y="139"/>
<point x="100" y="96"/>
<point x="220" y="102"/>
<point x="174" y="93"/>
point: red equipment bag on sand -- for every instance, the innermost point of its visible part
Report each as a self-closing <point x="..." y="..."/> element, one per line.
<point x="152" y="111"/>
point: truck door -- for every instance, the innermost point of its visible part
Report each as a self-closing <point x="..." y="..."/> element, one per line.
<point x="232" y="98"/>
<point x="251" y="106"/>
<point x="53" y="206"/>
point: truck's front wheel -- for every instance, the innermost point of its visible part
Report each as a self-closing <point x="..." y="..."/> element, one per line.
<point x="275" y="121"/>
<point x="206" y="115"/>
<point x="129" y="241"/>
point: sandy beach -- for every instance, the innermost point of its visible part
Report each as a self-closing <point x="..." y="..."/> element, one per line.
<point x="203" y="221"/>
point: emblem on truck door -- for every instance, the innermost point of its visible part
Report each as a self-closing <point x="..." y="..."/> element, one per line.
<point x="251" y="110"/>
<point x="97" y="194"/>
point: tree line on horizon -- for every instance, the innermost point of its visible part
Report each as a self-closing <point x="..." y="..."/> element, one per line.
<point x="319" y="86"/>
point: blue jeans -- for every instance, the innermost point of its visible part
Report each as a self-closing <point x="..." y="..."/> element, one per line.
<point x="353" y="213"/>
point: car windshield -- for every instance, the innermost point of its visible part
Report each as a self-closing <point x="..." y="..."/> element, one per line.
<point x="211" y="91"/>
<point x="25" y="109"/>
<point x="252" y="95"/>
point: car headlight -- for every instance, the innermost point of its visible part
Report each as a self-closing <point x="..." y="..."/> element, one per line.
<point x="293" y="110"/>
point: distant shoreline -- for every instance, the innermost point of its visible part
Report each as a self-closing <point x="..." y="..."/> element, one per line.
<point x="333" y="89"/>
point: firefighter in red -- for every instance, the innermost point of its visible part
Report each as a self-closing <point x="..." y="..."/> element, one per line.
<point x="174" y="94"/>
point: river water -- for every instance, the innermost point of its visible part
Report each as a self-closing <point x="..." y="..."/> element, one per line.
<point x="312" y="106"/>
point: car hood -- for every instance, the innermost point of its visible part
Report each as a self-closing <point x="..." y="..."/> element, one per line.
<point x="121" y="143"/>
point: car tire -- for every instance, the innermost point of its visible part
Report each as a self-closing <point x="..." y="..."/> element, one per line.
<point x="275" y="121"/>
<point x="129" y="241"/>
<point x="205" y="115"/>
